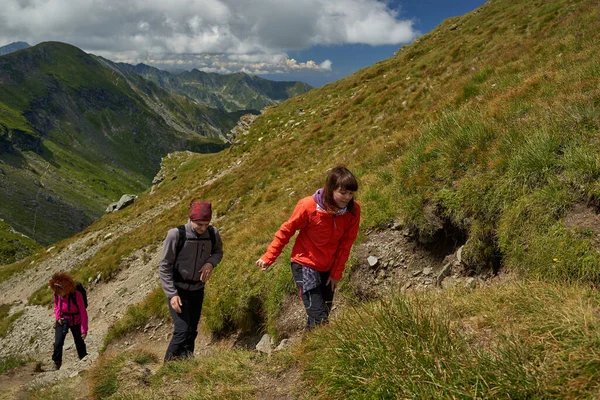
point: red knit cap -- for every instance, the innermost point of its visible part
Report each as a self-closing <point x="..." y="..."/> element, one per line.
<point x="200" y="211"/>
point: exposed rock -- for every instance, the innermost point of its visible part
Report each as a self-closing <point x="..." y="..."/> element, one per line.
<point x="124" y="201"/>
<point x="448" y="283"/>
<point x="471" y="283"/>
<point x="372" y="260"/>
<point x="242" y="127"/>
<point x="459" y="254"/>
<point x="285" y="343"/>
<point x="265" y="345"/>
<point x="446" y="271"/>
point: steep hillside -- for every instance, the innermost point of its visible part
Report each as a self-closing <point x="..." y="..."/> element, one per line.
<point x="76" y="135"/>
<point x="476" y="147"/>
<point x="233" y="92"/>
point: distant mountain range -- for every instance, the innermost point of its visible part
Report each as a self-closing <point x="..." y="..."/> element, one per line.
<point x="11" y="48"/>
<point x="231" y="92"/>
<point x="77" y="131"/>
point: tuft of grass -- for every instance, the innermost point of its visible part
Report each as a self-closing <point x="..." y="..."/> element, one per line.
<point x="138" y="315"/>
<point x="6" y="320"/>
<point x="105" y="377"/>
<point x="12" y="362"/>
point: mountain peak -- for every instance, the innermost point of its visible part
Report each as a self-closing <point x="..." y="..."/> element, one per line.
<point x="12" y="47"/>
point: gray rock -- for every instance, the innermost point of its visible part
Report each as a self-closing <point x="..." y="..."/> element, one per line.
<point x="459" y="254"/>
<point x="427" y="271"/>
<point x="265" y="345"/>
<point x="448" y="283"/>
<point x="111" y="207"/>
<point x="284" y="344"/>
<point x="372" y="260"/>
<point x="446" y="271"/>
<point x="471" y="283"/>
<point x="126" y="200"/>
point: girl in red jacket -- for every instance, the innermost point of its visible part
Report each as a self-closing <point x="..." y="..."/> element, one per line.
<point x="70" y="313"/>
<point x="328" y="223"/>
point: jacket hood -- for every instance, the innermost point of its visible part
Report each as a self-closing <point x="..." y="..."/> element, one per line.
<point x="318" y="197"/>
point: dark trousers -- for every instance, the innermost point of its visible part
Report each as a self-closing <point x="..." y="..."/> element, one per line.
<point x="185" y="324"/>
<point x="317" y="301"/>
<point x="60" y="334"/>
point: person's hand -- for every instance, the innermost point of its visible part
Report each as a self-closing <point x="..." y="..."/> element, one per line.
<point x="60" y="321"/>
<point x="176" y="304"/>
<point x="205" y="272"/>
<point x="261" y="264"/>
<point x="333" y="283"/>
<point x="83" y="336"/>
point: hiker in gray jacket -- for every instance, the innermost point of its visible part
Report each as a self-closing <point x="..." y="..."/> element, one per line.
<point x="190" y="253"/>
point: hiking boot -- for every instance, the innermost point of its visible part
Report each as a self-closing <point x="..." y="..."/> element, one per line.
<point x="57" y="365"/>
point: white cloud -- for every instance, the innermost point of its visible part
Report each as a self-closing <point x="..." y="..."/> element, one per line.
<point x="218" y="34"/>
<point x="326" y="65"/>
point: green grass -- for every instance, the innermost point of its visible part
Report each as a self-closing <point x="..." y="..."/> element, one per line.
<point x="6" y="321"/>
<point x="493" y="343"/>
<point x="224" y="374"/>
<point x="137" y="315"/>
<point x="11" y="362"/>
<point x="14" y="246"/>
<point x="105" y="375"/>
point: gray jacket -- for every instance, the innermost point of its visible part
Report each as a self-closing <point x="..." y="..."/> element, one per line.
<point x="193" y="255"/>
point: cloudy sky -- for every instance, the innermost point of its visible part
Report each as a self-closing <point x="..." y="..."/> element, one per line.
<point x="316" y="41"/>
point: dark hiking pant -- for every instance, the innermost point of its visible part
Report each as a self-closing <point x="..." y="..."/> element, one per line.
<point x="60" y="334"/>
<point x="185" y="324"/>
<point x="317" y="301"/>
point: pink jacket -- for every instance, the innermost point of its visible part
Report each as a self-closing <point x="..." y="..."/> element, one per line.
<point x="72" y="311"/>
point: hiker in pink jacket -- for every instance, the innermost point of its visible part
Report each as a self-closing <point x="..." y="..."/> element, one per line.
<point x="70" y="313"/>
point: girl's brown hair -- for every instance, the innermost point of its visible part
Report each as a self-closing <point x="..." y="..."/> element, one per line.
<point x="61" y="281"/>
<point x="339" y="178"/>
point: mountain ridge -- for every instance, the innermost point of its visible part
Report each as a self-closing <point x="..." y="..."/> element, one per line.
<point x="231" y="92"/>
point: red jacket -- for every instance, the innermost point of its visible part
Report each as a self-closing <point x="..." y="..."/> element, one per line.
<point x="324" y="241"/>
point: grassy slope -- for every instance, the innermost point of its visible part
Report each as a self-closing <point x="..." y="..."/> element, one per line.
<point x="14" y="246"/>
<point x="489" y="122"/>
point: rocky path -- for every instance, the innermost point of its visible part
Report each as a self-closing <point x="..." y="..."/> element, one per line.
<point x="33" y="333"/>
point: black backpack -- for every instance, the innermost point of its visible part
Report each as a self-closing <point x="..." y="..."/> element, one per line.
<point x="182" y="239"/>
<point x="79" y="287"/>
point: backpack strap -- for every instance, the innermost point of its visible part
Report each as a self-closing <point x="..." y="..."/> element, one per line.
<point x="213" y="237"/>
<point x="183" y="238"/>
<point x="181" y="241"/>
